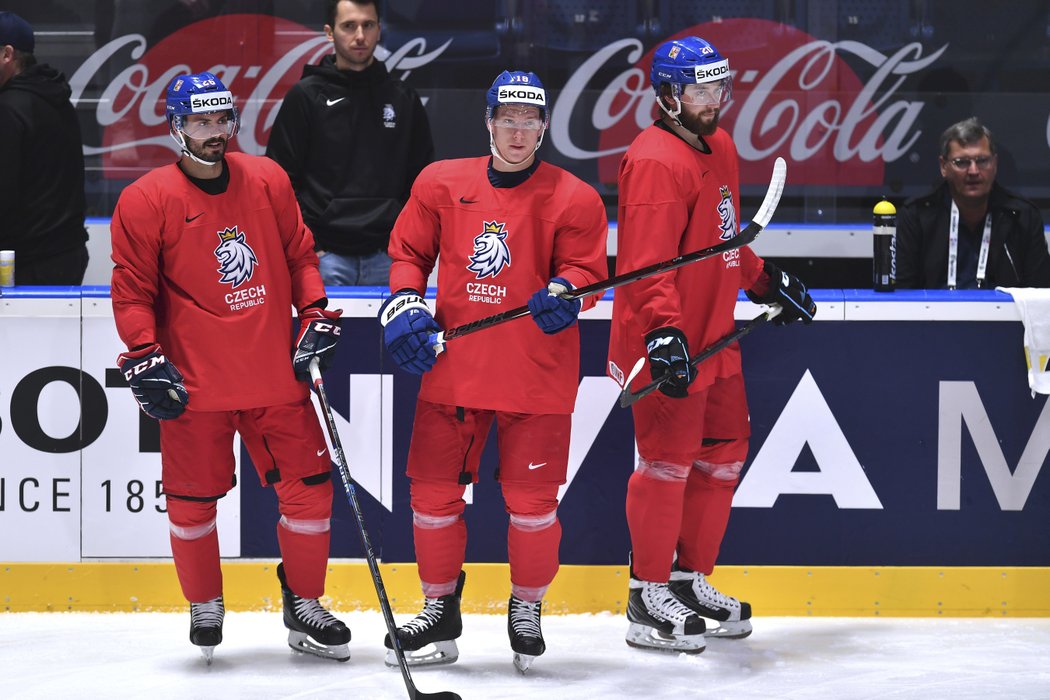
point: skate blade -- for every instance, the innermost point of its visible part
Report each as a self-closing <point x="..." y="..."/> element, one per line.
<point x="439" y="654"/>
<point x="729" y="630"/>
<point x="207" y="653"/>
<point x="645" y="637"/>
<point x="301" y="642"/>
<point x="523" y="662"/>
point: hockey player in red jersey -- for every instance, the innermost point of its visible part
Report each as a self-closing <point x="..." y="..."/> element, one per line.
<point x="679" y="192"/>
<point x="210" y="254"/>
<point x="510" y="230"/>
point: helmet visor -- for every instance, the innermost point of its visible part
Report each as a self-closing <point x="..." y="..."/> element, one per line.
<point x="713" y="93"/>
<point x="207" y="128"/>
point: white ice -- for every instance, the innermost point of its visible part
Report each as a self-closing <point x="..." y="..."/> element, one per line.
<point x="148" y="655"/>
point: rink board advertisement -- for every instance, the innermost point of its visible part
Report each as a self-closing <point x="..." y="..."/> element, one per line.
<point x="893" y="442"/>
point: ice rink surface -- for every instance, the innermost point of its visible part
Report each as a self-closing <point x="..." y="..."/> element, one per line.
<point x="148" y="655"/>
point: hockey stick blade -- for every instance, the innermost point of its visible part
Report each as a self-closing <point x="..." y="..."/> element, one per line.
<point x="627" y="397"/>
<point x="373" y="566"/>
<point x="745" y="237"/>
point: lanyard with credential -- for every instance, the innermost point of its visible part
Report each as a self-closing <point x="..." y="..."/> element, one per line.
<point x="953" y="248"/>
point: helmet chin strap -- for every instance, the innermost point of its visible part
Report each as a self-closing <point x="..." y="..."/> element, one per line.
<point x="180" y="138"/>
<point x="496" y="153"/>
<point x="677" y="106"/>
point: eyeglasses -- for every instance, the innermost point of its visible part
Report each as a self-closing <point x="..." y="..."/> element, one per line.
<point x="704" y="93"/>
<point x="202" y="131"/>
<point x="525" y="125"/>
<point x="963" y="164"/>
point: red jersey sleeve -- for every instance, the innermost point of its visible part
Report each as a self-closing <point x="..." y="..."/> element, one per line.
<point x="655" y="219"/>
<point x="415" y="238"/>
<point x="580" y="244"/>
<point x="296" y="238"/>
<point x="136" y="242"/>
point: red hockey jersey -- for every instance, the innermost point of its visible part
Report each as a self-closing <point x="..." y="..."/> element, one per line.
<point x="674" y="200"/>
<point x="213" y="278"/>
<point x="494" y="248"/>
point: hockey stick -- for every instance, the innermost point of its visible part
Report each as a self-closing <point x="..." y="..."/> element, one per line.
<point x="759" y="222"/>
<point x="373" y="567"/>
<point x="627" y="398"/>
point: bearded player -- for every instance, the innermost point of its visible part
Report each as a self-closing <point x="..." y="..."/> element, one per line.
<point x="679" y="190"/>
<point x="210" y="254"/>
<point x="510" y="229"/>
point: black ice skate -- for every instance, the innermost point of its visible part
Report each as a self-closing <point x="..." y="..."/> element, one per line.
<point x="311" y="628"/>
<point x="692" y="588"/>
<point x="437" y="627"/>
<point x="660" y="621"/>
<point x="206" y="625"/>
<point x="523" y="626"/>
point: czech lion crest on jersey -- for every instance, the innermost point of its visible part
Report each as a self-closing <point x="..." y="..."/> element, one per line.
<point x="726" y="213"/>
<point x="491" y="252"/>
<point x="236" y="258"/>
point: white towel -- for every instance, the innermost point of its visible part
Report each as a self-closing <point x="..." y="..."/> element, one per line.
<point x="1034" y="307"/>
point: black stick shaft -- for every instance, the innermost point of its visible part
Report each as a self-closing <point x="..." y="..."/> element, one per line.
<point x="373" y="565"/>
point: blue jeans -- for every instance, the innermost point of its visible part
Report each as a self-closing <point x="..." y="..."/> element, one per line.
<point x="372" y="270"/>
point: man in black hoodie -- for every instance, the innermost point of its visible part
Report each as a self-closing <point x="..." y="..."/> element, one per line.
<point x="42" y="177"/>
<point x="352" y="139"/>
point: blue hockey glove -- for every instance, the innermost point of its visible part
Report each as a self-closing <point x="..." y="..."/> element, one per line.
<point x="550" y="312"/>
<point x="318" y="334"/>
<point x="407" y="326"/>
<point x="789" y="293"/>
<point x="668" y="350"/>
<point x="155" y="382"/>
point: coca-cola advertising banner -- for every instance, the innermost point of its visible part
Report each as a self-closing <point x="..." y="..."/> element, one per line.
<point x="853" y="95"/>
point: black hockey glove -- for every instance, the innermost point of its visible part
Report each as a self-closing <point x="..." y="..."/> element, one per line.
<point x="668" y="351"/>
<point x="155" y="382"/>
<point x="550" y="312"/>
<point x="789" y="293"/>
<point x="318" y="334"/>
<point x="407" y="327"/>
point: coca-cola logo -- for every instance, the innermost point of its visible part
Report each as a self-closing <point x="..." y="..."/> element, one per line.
<point x="793" y="96"/>
<point x="257" y="57"/>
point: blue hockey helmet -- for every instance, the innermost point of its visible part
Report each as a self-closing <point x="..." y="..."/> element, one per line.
<point x="198" y="93"/>
<point x="689" y="61"/>
<point x="517" y="87"/>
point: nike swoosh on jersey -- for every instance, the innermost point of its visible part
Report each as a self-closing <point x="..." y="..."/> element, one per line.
<point x="191" y="218"/>
<point x="537" y="466"/>
<point x="321" y="452"/>
<point x="332" y="102"/>
<point x="463" y="200"/>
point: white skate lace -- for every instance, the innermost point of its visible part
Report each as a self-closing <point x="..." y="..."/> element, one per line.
<point x="208" y="614"/>
<point x="525" y="617"/>
<point x="429" y="617"/>
<point x="710" y="593"/>
<point x="310" y="611"/>
<point x="659" y="601"/>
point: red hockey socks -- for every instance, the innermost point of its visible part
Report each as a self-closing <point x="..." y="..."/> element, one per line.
<point x="654" y="516"/>
<point x="195" y="548"/>
<point x="707" y="504"/>
<point x="304" y="533"/>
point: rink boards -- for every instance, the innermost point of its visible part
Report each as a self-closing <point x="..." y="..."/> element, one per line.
<point x="896" y="467"/>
